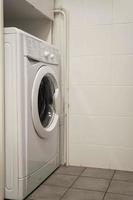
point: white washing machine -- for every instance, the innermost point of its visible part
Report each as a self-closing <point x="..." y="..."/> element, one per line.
<point x="32" y="104"/>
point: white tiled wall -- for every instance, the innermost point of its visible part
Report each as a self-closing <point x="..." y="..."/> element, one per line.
<point x="101" y="83"/>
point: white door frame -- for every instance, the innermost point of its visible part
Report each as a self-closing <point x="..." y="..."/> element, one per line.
<point x="1" y="104"/>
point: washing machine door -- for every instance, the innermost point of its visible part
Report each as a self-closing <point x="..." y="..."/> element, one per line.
<point x="45" y="102"/>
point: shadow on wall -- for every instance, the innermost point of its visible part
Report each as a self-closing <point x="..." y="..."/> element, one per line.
<point x="40" y="27"/>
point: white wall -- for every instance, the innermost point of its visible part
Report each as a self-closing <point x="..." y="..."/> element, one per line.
<point x="1" y="106"/>
<point x="101" y="83"/>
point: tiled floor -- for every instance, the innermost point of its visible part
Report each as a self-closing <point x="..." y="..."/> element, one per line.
<point x="79" y="183"/>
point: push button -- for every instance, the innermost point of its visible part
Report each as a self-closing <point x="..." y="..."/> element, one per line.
<point x="52" y="56"/>
<point x="46" y="54"/>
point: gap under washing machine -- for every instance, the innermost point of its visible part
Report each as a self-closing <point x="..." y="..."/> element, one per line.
<point x="32" y="106"/>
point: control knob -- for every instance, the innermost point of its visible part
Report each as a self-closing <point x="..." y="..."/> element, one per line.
<point x="52" y="56"/>
<point x="46" y="54"/>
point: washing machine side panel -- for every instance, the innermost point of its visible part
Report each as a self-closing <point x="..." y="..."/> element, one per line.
<point x="14" y="115"/>
<point x="21" y="99"/>
<point x="11" y="135"/>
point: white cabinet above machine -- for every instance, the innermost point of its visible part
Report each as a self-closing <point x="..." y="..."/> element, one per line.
<point x="28" y="9"/>
<point x="32" y="16"/>
<point x="44" y="6"/>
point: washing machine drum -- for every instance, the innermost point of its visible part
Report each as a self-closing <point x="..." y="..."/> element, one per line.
<point x="45" y="101"/>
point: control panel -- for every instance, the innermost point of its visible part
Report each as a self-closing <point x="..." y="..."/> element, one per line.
<point x="40" y="50"/>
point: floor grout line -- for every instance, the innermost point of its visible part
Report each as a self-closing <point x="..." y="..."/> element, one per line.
<point x="88" y="190"/>
<point x="109" y="184"/>
<point x="119" y="180"/>
<point x="128" y="195"/>
<point x="72" y="184"/>
<point x="65" y="174"/>
<point x="53" y="185"/>
<point x="95" y="177"/>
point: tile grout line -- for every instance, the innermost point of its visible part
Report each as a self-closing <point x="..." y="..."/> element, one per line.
<point x="129" y="195"/>
<point x="72" y="184"/>
<point x="119" y="180"/>
<point x="109" y="184"/>
<point x="95" y="177"/>
<point x="65" y="174"/>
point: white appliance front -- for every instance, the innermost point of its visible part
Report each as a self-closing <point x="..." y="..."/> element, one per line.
<point x="32" y="102"/>
<point x="43" y="106"/>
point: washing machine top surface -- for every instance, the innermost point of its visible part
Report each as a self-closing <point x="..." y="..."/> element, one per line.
<point x="36" y="48"/>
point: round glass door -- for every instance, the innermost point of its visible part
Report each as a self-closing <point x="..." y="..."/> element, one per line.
<point x="45" y="101"/>
<point x="46" y="106"/>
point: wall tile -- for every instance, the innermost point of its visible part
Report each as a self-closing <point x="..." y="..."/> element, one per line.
<point x="75" y="11"/>
<point x="122" y="11"/>
<point x="101" y="100"/>
<point x="89" y="155"/>
<point x="122" y="39"/>
<point x="92" y="100"/>
<point x="98" y="155"/>
<point x="77" y="43"/>
<point x="93" y="40"/>
<point x="98" y="12"/>
<point x="121" y="158"/>
<point x="107" y="131"/>
<point x="122" y="101"/>
<point x="122" y="69"/>
<point x="90" y="70"/>
<point x="98" y="40"/>
<point x="89" y="12"/>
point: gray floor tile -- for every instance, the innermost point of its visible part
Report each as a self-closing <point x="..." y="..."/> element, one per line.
<point x="123" y="176"/>
<point x="60" y="180"/>
<point x="48" y="193"/>
<point x="98" y="173"/>
<point x="70" y="170"/>
<point x="91" y="184"/>
<point x="121" y="187"/>
<point x="76" y="194"/>
<point x="110" y="196"/>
